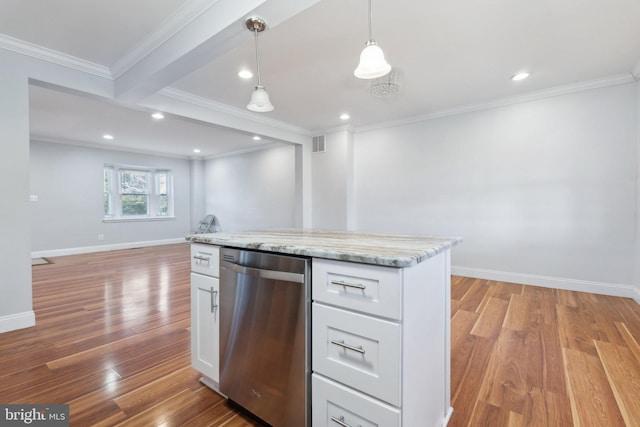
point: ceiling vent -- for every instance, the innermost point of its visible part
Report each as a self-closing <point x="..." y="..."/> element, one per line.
<point x="318" y="144"/>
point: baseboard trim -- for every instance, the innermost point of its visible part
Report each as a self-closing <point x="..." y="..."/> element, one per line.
<point x="213" y="385"/>
<point x="636" y="295"/>
<point x="104" y="248"/>
<point x="612" y="289"/>
<point x="16" y="321"/>
<point x="447" y="417"/>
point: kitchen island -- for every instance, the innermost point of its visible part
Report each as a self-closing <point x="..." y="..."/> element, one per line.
<point x="380" y="317"/>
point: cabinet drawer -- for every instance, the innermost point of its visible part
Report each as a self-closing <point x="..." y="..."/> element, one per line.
<point x="205" y="259"/>
<point x="357" y="350"/>
<point x="334" y="404"/>
<point x="369" y="289"/>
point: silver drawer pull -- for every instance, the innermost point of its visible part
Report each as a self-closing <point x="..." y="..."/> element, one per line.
<point x="214" y="294"/>
<point x="341" y="422"/>
<point x="202" y="258"/>
<point x="348" y="285"/>
<point x="342" y="344"/>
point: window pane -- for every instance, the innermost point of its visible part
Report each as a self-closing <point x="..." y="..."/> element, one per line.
<point x="135" y="204"/>
<point x="134" y="182"/>
<point x="163" y="205"/>
<point x="108" y="206"/>
<point x="162" y="183"/>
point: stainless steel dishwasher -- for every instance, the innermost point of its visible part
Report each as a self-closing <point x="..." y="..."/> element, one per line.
<point x="264" y="335"/>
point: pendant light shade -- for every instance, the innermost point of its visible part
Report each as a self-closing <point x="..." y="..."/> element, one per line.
<point x="372" y="63"/>
<point x="259" y="98"/>
<point x="260" y="101"/>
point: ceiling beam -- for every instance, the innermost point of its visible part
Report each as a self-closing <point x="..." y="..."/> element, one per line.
<point x="205" y="110"/>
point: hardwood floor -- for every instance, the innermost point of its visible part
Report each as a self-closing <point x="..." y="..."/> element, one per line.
<point x="112" y="340"/>
<point x="531" y="356"/>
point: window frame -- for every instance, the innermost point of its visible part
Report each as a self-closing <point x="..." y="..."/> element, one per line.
<point x="113" y="180"/>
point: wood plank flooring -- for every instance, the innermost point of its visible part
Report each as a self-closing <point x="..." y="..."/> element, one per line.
<point x="532" y="356"/>
<point x="112" y="340"/>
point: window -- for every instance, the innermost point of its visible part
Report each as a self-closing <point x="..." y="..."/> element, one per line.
<point x="137" y="193"/>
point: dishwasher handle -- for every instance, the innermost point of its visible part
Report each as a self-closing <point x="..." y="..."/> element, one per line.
<point x="262" y="273"/>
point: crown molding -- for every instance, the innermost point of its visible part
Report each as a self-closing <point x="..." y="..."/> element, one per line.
<point x="121" y="148"/>
<point x="176" y="22"/>
<point x="530" y="96"/>
<point x="336" y="129"/>
<point x="29" y="49"/>
<point x="219" y="107"/>
<point x="262" y="147"/>
<point x="99" y="146"/>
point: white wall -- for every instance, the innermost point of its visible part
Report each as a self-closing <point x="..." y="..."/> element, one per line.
<point x="332" y="182"/>
<point x="197" y="192"/>
<point x="253" y="190"/>
<point x="637" y="260"/>
<point x="68" y="181"/>
<point x="15" y="264"/>
<point x="541" y="190"/>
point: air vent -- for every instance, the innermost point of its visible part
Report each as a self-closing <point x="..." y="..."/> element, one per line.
<point x="318" y="144"/>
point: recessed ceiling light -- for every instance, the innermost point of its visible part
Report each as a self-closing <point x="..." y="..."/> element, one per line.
<point x="107" y="136"/>
<point x="519" y="76"/>
<point x="245" y="74"/>
<point x="344" y="116"/>
<point x="256" y="138"/>
<point x="158" y="116"/>
<point x="195" y="150"/>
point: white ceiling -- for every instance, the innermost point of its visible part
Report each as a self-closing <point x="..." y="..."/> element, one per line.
<point x="64" y="117"/>
<point x="447" y="56"/>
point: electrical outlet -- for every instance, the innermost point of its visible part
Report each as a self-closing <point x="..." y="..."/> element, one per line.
<point x="100" y="236"/>
<point x="33" y="198"/>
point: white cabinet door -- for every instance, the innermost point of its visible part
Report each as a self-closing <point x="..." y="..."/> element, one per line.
<point x="205" y="329"/>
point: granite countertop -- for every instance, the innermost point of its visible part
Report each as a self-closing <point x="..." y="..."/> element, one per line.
<point x="392" y="250"/>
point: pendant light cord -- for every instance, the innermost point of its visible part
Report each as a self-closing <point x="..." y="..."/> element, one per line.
<point x="370" y="29"/>
<point x="255" y="33"/>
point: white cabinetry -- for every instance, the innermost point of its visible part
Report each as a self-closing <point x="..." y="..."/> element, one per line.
<point x="380" y="343"/>
<point x="205" y="329"/>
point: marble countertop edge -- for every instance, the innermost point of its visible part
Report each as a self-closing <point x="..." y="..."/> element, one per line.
<point x="392" y="250"/>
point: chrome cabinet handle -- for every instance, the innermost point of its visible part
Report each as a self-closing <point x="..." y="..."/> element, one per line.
<point x="202" y="258"/>
<point x="341" y="422"/>
<point x="342" y="344"/>
<point x="214" y="294"/>
<point x="348" y="285"/>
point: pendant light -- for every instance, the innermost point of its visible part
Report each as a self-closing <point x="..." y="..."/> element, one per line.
<point x="259" y="98"/>
<point x="372" y="63"/>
